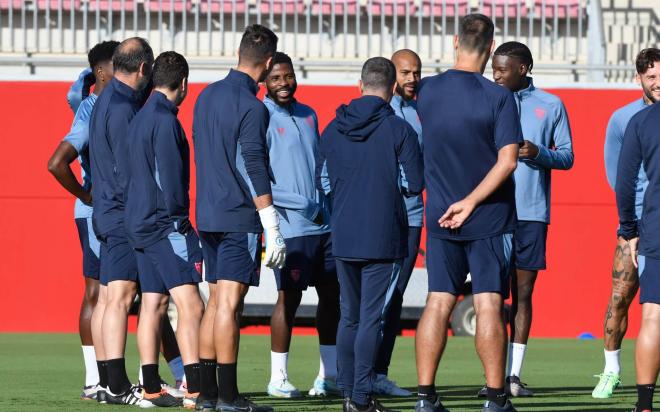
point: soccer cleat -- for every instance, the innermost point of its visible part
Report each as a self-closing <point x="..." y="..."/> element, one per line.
<point x="241" y="404"/>
<point x="346" y="404"/>
<point x="493" y="407"/>
<point x="101" y="395"/>
<point x="384" y="386"/>
<point x="483" y="392"/>
<point x="324" y="387"/>
<point x="423" y="405"/>
<point x="177" y="393"/>
<point x="516" y="388"/>
<point x="205" y="405"/>
<point x="283" y="389"/>
<point x="607" y="382"/>
<point x="190" y="400"/>
<point x="162" y="399"/>
<point x="131" y="397"/>
<point x="90" y="393"/>
<point x="374" y="406"/>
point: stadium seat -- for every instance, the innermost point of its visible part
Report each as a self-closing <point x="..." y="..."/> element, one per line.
<point x="114" y="5"/>
<point x="166" y="5"/>
<point x="224" y="6"/>
<point x="565" y="8"/>
<point x="388" y="7"/>
<point x="452" y="7"/>
<point x="341" y="7"/>
<point x="10" y="4"/>
<point x="41" y="4"/>
<point x="504" y="8"/>
<point x="282" y="6"/>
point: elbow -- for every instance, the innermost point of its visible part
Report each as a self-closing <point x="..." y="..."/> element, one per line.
<point x="510" y="166"/>
<point x="54" y="165"/>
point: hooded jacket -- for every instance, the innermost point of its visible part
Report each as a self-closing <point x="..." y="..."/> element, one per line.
<point x="361" y="155"/>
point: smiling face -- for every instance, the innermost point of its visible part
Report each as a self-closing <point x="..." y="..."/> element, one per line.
<point x="509" y="72"/>
<point x="281" y="84"/>
<point x="650" y="81"/>
<point x="408" y="74"/>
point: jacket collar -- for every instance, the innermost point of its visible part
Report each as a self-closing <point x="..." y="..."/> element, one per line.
<point x="243" y="80"/>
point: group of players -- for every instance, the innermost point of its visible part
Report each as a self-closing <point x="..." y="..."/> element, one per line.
<point x="341" y="211"/>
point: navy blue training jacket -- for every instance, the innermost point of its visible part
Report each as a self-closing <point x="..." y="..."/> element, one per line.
<point x="231" y="155"/>
<point x="361" y="154"/>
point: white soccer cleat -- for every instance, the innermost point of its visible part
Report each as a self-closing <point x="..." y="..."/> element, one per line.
<point x="324" y="387"/>
<point x="384" y="386"/>
<point x="283" y="389"/>
<point x="177" y="393"/>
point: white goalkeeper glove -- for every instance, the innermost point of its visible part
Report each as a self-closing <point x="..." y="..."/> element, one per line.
<point x="275" y="247"/>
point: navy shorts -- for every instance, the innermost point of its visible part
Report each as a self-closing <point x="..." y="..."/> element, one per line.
<point x="117" y="258"/>
<point x="234" y="256"/>
<point x="649" y="279"/>
<point x="173" y="261"/>
<point x="488" y="261"/>
<point x="529" y="242"/>
<point x="308" y="260"/>
<point x="91" y="248"/>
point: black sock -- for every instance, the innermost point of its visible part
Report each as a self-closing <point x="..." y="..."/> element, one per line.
<point x="102" y="366"/>
<point x="208" y="384"/>
<point x="227" y="386"/>
<point x="496" y="395"/>
<point x="150" y="378"/>
<point x="645" y="396"/>
<point x="427" y="393"/>
<point x="192" y="377"/>
<point x="361" y="407"/>
<point x="117" y="378"/>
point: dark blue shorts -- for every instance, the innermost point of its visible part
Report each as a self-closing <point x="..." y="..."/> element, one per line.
<point x="308" y="260"/>
<point x="529" y="242"/>
<point x="91" y="248"/>
<point x="234" y="256"/>
<point x="649" y="279"/>
<point x="117" y="258"/>
<point x="173" y="261"/>
<point x="488" y="262"/>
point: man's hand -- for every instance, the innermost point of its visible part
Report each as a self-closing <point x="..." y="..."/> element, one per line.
<point x="634" y="244"/>
<point x="528" y="150"/>
<point x="86" y="198"/>
<point x="457" y="214"/>
<point x="275" y="247"/>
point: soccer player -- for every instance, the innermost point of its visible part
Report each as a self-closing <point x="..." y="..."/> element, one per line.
<point x="158" y="227"/>
<point x="548" y="145"/>
<point x="233" y="195"/>
<point x="108" y="148"/>
<point x="363" y="150"/>
<point x="640" y="149"/>
<point x="625" y="281"/>
<point x="408" y="73"/>
<point x="471" y="139"/>
<point x="75" y="146"/>
<point x="304" y="216"/>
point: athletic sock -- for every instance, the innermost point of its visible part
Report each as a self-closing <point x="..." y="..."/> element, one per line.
<point x="151" y="379"/>
<point x="117" y="378"/>
<point x="645" y="397"/>
<point x="328" y="362"/>
<point x="278" y="366"/>
<point x="192" y="377"/>
<point x="140" y="376"/>
<point x="427" y="393"/>
<point x="361" y="407"/>
<point x="496" y="395"/>
<point x="91" y="370"/>
<point x="227" y="386"/>
<point x="102" y="367"/>
<point x="208" y="385"/>
<point x="612" y="362"/>
<point x="176" y="366"/>
<point x="516" y="358"/>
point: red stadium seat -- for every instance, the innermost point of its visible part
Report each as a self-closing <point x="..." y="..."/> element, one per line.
<point x="452" y="8"/>
<point x="224" y="6"/>
<point x="565" y="8"/>
<point x="41" y="4"/>
<point x="504" y="8"/>
<point x="282" y="6"/>
<point x="387" y="7"/>
<point x="114" y="5"/>
<point x="341" y="7"/>
<point x="166" y="5"/>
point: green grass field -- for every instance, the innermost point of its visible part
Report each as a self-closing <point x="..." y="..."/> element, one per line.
<point x="43" y="372"/>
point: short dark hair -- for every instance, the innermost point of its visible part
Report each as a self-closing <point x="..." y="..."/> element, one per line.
<point x="378" y="73"/>
<point x="131" y="53"/>
<point x="258" y="44"/>
<point x="646" y="59"/>
<point x="476" y="33"/>
<point x="102" y="52"/>
<point x="282" y="58"/>
<point x="170" y="69"/>
<point x="516" y="50"/>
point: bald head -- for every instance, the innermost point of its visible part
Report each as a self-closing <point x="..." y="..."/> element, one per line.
<point x="131" y="54"/>
<point x="408" y="72"/>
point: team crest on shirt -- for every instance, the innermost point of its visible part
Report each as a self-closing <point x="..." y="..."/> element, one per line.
<point x="540" y="112"/>
<point x="310" y="121"/>
<point x="281" y="131"/>
<point x="198" y="267"/>
<point x="295" y="275"/>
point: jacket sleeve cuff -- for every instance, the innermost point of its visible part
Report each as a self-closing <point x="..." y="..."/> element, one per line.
<point x="628" y="230"/>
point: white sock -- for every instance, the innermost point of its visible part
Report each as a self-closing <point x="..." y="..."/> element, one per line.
<point x="176" y="366"/>
<point x="278" y="366"/>
<point x="91" y="369"/>
<point x="612" y="363"/>
<point x="328" y="364"/>
<point x="516" y="358"/>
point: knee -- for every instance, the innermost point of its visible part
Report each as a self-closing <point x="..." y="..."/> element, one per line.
<point x="525" y="291"/>
<point x="91" y="296"/>
<point x="439" y="304"/>
<point x="488" y="305"/>
<point x="122" y="303"/>
<point x="620" y="302"/>
<point x="193" y="309"/>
